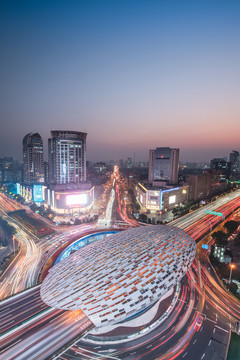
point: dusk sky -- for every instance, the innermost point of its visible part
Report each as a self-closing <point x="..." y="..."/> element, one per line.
<point x="134" y="75"/>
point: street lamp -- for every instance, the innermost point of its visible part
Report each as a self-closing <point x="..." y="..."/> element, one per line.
<point x="232" y="266"/>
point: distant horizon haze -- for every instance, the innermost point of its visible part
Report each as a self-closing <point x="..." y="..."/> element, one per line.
<point x="100" y="152"/>
<point x="134" y="75"/>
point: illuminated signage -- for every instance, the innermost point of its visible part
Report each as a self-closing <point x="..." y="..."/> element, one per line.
<point x="172" y="199"/>
<point x="18" y="189"/>
<point x="213" y="213"/>
<point x="76" y="199"/>
<point x="37" y="193"/>
<point x="204" y="246"/>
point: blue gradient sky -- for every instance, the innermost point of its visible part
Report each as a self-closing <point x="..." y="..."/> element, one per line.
<point x="133" y="74"/>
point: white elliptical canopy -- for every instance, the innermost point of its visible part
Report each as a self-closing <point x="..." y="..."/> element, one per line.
<point x="120" y="275"/>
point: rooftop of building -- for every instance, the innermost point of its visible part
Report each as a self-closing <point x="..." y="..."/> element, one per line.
<point x="148" y="186"/>
<point x="68" y="134"/>
<point x="71" y="186"/>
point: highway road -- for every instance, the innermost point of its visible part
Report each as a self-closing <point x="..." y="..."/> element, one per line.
<point x="190" y="218"/>
<point x="24" y="270"/>
<point x="31" y="330"/>
<point x="16" y="310"/>
<point x="197" y="328"/>
<point x="204" y="333"/>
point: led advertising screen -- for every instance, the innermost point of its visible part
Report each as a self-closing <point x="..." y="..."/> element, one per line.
<point x="37" y="193"/>
<point x="172" y="199"/>
<point x="18" y="189"/>
<point x="76" y="199"/>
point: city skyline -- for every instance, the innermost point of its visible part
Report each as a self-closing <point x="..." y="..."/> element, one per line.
<point x="120" y="179"/>
<point x="131" y="75"/>
<point x="137" y="155"/>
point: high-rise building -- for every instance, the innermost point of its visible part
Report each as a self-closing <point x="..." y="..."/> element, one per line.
<point x="163" y="165"/>
<point x="234" y="162"/>
<point x="100" y="168"/>
<point x="10" y="170"/>
<point x="205" y="185"/>
<point x="221" y="165"/>
<point x="129" y="163"/>
<point x="46" y="177"/>
<point x="33" y="171"/>
<point x="67" y="157"/>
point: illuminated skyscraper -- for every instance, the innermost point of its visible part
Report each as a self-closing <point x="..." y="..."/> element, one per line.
<point x="234" y="163"/>
<point x="33" y="171"/>
<point x="163" y="165"/>
<point x="67" y="157"/>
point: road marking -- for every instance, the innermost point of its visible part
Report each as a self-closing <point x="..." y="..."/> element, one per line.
<point x="209" y="343"/>
<point x="4" y="312"/>
<point x="5" y="317"/>
<point x="185" y="354"/>
<point x="203" y="356"/>
<point x="97" y="347"/>
<point x="10" y="322"/>
<point x="203" y="315"/>
<point x="211" y="320"/>
<point x="201" y="328"/>
<point x="55" y="318"/>
<point x="147" y="347"/>
<point x="10" y="346"/>
<point x="214" y="330"/>
<point x="194" y="341"/>
<point x="82" y="350"/>
<point x="163" y="337"/>
<point x="221" y="328"/>
<point x="133" y="353"/>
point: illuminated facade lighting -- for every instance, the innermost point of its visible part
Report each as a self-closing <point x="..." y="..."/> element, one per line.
<point x="163" y="165"/>
<point x="118" y="276"/>
<point x="33" y="169"/>
<point x="67" y="157"/>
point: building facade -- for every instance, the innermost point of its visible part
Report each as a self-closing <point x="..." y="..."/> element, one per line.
<point x="205" y="185"/>
<point x="157" y="199"/>
<point x="100" y="168"/>
<point x="11" y="171"/>
<point x="33" y="170"/>
<point x="70" y="199"/>
<point x="163" y="165"/>
<point x="67" y="157"/>
<point x="234" y="163"/>
<point x="221" y="165"/>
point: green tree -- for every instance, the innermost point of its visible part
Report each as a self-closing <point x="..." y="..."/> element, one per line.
<point x="7" y="230"/>
<point x="143" y="218"/>
<point x="34" y="207"/>
<point x="233" y="287"/>
<point x="236" y="241"/>
<point x="231" y="226"/>
<point x="220" y="238"/>
<point x="176" y="210"/>
<point x="19" y="199"/>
